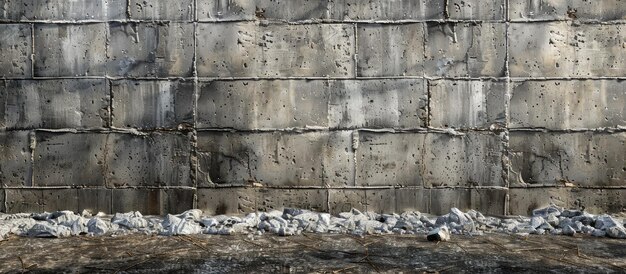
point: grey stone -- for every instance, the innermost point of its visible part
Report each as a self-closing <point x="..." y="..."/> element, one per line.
<point x="15" y="158"/>
<point x="48" y="230"/>
<point x="572" y="104"/>
<point x="465" y="50"/>
<point x="150" y="49"/>
<point x="274" y="50"/>
<point x="181" y="10"/>
<point x="606" y="10"/>
<point x="62" y="10"/>
<point x="97" y="226"/>
<point x="177" y="226"/>
<point x="15" y="50"/>
<point x="467" y="104"/>
<point x="568" y="230"/>
<point x="559" y="49"/>
<point x="69" y="159"/>
<point x="152" y="104"/>
<point x="439" y="234"/>
<point x="70" y="50"/>
<point x="130" y="220"/>
<point x="476" y="10"/>
<point x="54" y="104"/>
<point x="390" y="50"/>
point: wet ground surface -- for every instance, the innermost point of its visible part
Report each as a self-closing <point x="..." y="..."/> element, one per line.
<point x="313" y="253"/>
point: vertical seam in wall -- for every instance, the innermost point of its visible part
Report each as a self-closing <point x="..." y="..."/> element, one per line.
<point x="32" y="53"/>
<point x="194" y="138"/>
<point x="356" y="51"/>
<point x="506" y="161"/>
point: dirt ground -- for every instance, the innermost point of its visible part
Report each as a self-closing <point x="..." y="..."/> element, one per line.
<point x="313" y="253"/>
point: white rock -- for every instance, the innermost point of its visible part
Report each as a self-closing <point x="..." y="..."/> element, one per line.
<point x="439" y="234"/>
<point x="130" y="220"/>
<point x="47" y="230"/>
<point x="97" y="226"/>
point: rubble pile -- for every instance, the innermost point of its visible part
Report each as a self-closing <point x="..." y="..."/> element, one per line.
<point x="551" y="220"/>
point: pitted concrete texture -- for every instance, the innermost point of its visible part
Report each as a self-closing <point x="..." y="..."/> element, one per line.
<point x="238" y="106"/>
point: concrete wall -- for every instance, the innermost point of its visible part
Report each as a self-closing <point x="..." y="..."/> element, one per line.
<point x="385" y="105"/>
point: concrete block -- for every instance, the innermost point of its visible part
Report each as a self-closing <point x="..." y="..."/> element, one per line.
<point x="560" y="49"/>
<point x="53" y="104"/>
<point x="155" y="159"/>
<point x="176" y="201"/>
<point x="275" y="158"/>
<point x="60" y="199"/>
<point x="95" y="200"/>
<point x="16" y="48"/>
<point x="389" y="159"/>
<point x="599" y="201"/>
<point x="231" y="10"/>
<point x="473" y="159"/>
<point x="583" y="158"/>
<point x="232" y="200"/>
<point x="278" y="199"/>
<point x="572" y="104"/>
<point x="24" y="200"/>
<point x="343" y="200"/>
<point x="412" y="199"/>
<point x="605" y="10"/>
<point x="69" y="159"/>
<point x="16" y="164"/>
<point x="390" y="50"/>
<point x="275" y="50"/>
<point x="70" y="50"/>
<point x="16" y="10"/>
<point x="384" y="10"/>
<point x="152" y="104"/>
<point x="150" y="49"/>
<point x="489" y="201"/>
<point x="467" y="104"/>
<point x="146" y="201"/>
<point x="180" y="10"/>
<point x="381" y="200"/>
<point x="524" y="200"/>
<point x="476" y="10"/>
<point x="465" y="49"/>
<point x="443" y="199"/>
<point x="596" y="201"/>
<point x="2" y="204"/>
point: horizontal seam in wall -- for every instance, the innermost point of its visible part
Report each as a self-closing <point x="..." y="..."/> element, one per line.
<point x="306" y="78"/>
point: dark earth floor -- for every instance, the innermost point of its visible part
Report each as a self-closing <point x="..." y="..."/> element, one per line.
<point x="314" y="253"/>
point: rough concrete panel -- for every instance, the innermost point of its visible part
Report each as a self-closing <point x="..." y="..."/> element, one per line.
<point x="60" y="199"/>
<point x="387" y="10"/>
<point x="69" y="159"/>
<point x="476" y="10"/>
<point x="95" y="200"/>
<point x="146" y="201"/>
<point x="390" y="50"/>
<point x="573" y="104"/>
<point x="343" y="200"/>
<point x="155" y="159"/>
<point x="278" y="199"/>
<point x="389" y="159"/>
<point x="231" y="10"/>
<point x="524" y="200"/>
<point x="152" y="104"/>
<point x="54" y="104"/>
<point x="443" y="199"/>
<point x="596" y="201"/>
<point x="176" y="201"/>
<point x="2" y="204"/>
<point x="263" y="104"/>
<point x="381" y="200"/>
<point x="473" y="159"/>
<point x="15" y="158"/>
<point x="467" y="104"/>
<point x="560" y="49"/>
<point x="583" y="159"/>
<point x="412" y="199"/>
<point x="605" y="10"/>
<point x="62" y="10"/>
<point x="15" y="50"/>
<point x="179" y="10"/>
<point x="24" y="200"/>
<point x="70" y="50"/>
<point x="275" y="50"/>
<point x="489" y="201"/>
<point x="599" y="201"/>
<point x="276" y="159"/>
<point x="465" y="49"/>
<point x="150" y="49"/>
<point x="216" y="201"/>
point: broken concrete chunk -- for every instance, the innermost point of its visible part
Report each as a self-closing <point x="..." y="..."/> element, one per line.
<point x="130" y="220"/>
<point x="97" y="226"/>
<point x="439" y="234"/>
<point x="49" y="230"/>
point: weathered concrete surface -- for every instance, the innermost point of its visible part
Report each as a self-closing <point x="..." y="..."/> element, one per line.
<point x="69" y="49"/>
<point x="151" y="201"/>
<point x="181" y="10"/>
<point x="152" y="104"/>
<point x="16" y="10"/>
<point x="390" y="50"/>
<point x="15" y="50"/>
<point x="15" y="158"/>
<point x="476" y="10"/>
<point x="596" y="201"/>
<point x="343" y="200"/>
<point x="562" y="49"/>
<point x="342" y="104"/>
<point x="24" y="200"/>
<point x="253" y="50"/>
<point x="606" y="10"/>
<point x="52" y="104"/>
<point x="467" y="104"/>
<point x="573" y="104"/>
<point x="95" y="200"/>
<point x="582" y="159"/>
<point x="231" y="200"/>
<point x="150" y="50"/>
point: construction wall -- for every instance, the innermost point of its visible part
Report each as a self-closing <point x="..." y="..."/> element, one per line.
<point x="382" y="105"/>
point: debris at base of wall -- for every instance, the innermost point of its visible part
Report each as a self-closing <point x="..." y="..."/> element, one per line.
<point x="551" y="220"/>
